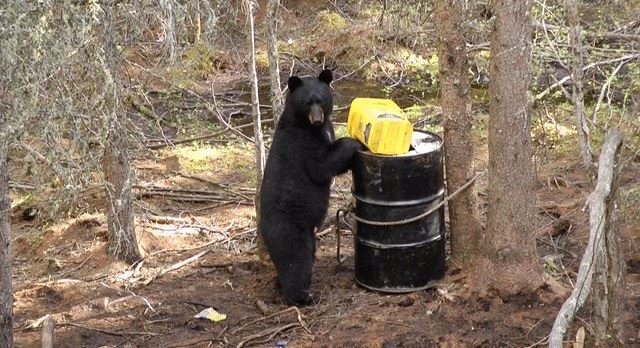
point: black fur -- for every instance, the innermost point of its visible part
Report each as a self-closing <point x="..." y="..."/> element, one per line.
<point x="294" y="194"/>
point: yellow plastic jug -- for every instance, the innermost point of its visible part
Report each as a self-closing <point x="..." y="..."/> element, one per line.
<point x="381" y="125"/>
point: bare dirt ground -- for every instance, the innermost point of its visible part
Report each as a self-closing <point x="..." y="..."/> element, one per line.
<point x="97" y="301"/>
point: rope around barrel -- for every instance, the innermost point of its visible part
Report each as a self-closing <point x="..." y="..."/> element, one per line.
<point x="423" y="215"/>
<point x="348" y="209"/>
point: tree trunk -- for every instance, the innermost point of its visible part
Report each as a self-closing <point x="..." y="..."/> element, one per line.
<point x="119" y="178"/>
<point x="170" y="41"/>
<point x="602" y="263"/>
<point x="571" y="9"/>
<point x="458" y="121"/>
<point x="257" y="125"/>
<point x="610" y="268"/>
<point x="6" y="265"/>
<point x="116" y="162"/>
<point x="510" y="245"/>
<point x="274" y="69"/>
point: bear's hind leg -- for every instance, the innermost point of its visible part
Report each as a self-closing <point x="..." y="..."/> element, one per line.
<point x="294" y="264"/>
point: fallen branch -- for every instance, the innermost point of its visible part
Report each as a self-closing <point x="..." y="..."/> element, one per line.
<point x="284" y="311"/>
<point x="109" y="332"/>
<point x="175" y="266"/>
<point x="599" y="207"/>
<point x="205" y="136"/>
<point x="271" y="332"/>
<point x="604" y="89"/>
<point x="568" y="77"/>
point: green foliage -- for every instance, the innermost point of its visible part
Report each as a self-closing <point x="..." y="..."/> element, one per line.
<point x="329" y="21"/>
<point x="198" y="61"/>
<point x="341" y="131"/>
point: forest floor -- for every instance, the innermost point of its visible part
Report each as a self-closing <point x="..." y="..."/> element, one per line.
<point x="64" y="270"/>
<point x="196" y="225"/>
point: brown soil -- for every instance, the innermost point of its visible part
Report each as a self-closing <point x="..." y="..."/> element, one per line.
<point x="98" y="301"/>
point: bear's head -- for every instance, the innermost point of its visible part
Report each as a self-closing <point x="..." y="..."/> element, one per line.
<point x="310" y="99"/>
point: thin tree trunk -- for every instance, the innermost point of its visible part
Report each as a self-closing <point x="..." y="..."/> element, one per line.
<point x="6" y="265"/>
<point x="119" y="178"/>
<point x="610" y="269"/>
<point x="274" y="69"/>
<point x="603" y="253"/>
<point x="117" y="162"/>
<point x="167" y="7"/>
<point x="458" y="121"/>
<point x="571" y="9"/>
<point x="257" y="125"/>
<point x="510" y="244"/>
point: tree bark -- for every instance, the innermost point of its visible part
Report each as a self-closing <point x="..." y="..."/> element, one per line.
<point x="274" y="69"/>
<point x="510" y="245"/>
<point x="257" y="125"/>
<point x="6" y="259"/>
<point x="610" y="267"/>
<point x="458" y="121"/>
<point x="170" y="41"/>
<point x="571" y="9"/>
<point x="48" y="327"/>
<point x="603" y="253"/>
<point x="117" y="162"/>
<point x="119" y="178"/>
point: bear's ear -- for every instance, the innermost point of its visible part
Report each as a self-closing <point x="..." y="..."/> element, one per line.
<point x="326" y="76"/>
<point x="294" y="82"/>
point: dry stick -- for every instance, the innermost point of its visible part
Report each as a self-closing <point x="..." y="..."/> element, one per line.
<point x="176" y="266"/>
<point x="595" y="248"/>
<point x="284" y="311"/>
<point x="356" y="70"/>
<point x="604" y="89"/>
<point x="109" y="332"/>
<point x="48" y="326"/>
<point x="205" y="136"/>
<point x="571" y="9"/>
<point x="215" y="110"/>
<point x="271" y="332"/>
<point x="568" y="77"/>
<point x="217" y="184"/>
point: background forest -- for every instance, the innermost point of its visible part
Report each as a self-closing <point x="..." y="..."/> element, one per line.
<point x="129" y="128"/>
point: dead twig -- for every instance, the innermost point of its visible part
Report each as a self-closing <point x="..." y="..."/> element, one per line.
<point x="604" y="89"/>
<point x="295" y="309"/>
<point x="203" y="137"/>
<point x="271" y="332"/>
<point x="175" y="266"/>
<point x="109" y="332"/>
<point x="627" y="58"/>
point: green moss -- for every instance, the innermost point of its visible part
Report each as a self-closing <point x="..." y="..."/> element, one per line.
<point x="262" y="61"/>
<point x="330" y="21"/>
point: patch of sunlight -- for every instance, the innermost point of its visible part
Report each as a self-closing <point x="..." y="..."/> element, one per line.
<point x="196" y="158"/>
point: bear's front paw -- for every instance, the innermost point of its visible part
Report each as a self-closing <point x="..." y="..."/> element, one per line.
<point x="352" y="144"/>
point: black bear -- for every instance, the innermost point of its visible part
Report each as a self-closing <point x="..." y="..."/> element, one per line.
<point x="294" y="194"/>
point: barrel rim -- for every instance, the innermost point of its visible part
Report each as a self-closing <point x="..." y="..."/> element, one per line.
<point x="408" y="154"/>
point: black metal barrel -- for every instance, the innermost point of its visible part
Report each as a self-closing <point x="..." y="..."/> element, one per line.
<point x="410" y="256"/>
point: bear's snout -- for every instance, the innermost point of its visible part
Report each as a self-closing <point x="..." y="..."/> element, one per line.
<point x="316" y="116"/>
